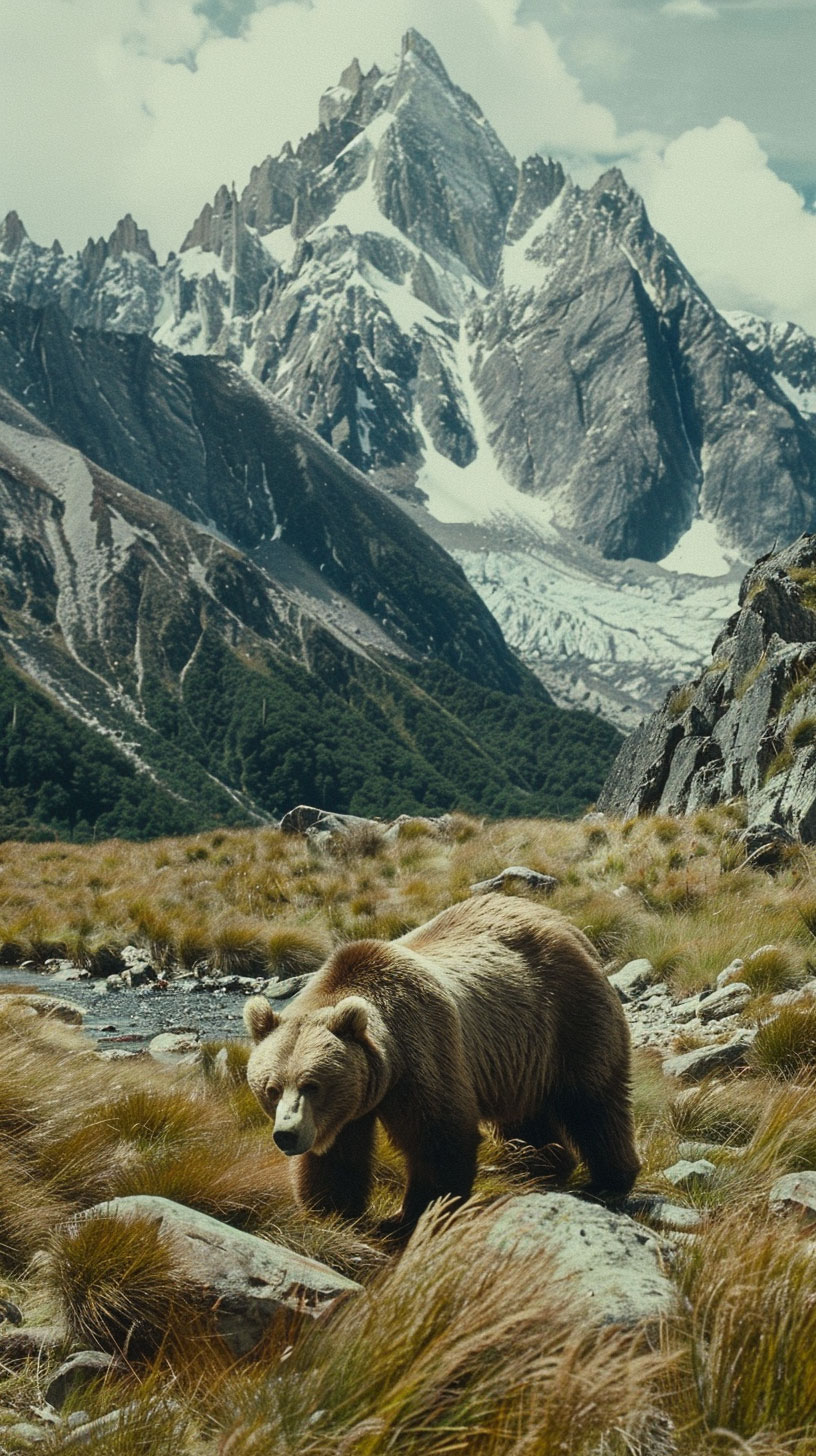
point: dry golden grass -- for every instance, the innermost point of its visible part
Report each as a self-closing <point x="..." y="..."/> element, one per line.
<point x="449" y="1352"/>
<point x="456" y="1347"/>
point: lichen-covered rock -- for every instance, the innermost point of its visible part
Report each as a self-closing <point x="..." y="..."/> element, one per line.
<point x="613" y="1265"/>
<point x="632" y="979"/>
<point x="795" y="1192"/>
<point x="747" y="725"/>
<point x="693" y="1066"/>
<point x="244" y="1280"/>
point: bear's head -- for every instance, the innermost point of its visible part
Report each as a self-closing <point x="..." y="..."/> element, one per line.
<point x="311" y="1073"/>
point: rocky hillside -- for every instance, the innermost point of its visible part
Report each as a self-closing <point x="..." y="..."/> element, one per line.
<point x="299" y="640"/>
<point x="747" y="725"/>
<point x="498" y="346"/>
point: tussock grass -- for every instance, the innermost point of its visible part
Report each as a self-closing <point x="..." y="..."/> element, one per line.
<point x="786" y="1044"/>
<point x="116" y="1280"/>
<point x="752" y="1288"/>
<point x="457" y="1347"/>
<point x="450" y="1350"/>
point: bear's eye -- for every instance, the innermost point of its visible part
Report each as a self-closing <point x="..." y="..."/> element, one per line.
<point x="273" y="1093"/>
<point x="307" y="1087"/>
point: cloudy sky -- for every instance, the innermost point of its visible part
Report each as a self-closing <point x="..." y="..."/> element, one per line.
<point x="709" y="106"/>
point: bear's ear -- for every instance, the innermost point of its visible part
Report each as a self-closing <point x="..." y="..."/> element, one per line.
<point x="349" y="1018"/>
<point x="259" y="1017"/>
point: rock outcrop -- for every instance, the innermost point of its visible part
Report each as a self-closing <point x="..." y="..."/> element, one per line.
<point x="747" y="725"/>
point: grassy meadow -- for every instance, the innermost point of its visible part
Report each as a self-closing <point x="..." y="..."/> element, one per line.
<point x="453" y="1349"/>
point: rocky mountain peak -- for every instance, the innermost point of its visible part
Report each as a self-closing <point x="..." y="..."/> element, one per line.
<point x="539" y="184"/>
<point x="416" y="48"/>
<point x="441" y="174"/>
<point x="12" y="233"/>
<point x="128" y="237"/>
<point x="213" y="221"/>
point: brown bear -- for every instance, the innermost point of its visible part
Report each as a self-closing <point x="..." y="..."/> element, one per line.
<point x="495" y="1011"/>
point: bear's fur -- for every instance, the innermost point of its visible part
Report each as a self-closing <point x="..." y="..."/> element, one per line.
<point x="495" y="1011"/>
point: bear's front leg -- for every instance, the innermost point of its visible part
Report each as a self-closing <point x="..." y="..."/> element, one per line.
<point x="339" y="1180"/>
<point x="441" y="1163"/>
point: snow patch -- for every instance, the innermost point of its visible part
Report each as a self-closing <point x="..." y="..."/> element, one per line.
<point x="699" y="552"/>
<point x="521" y="268"/>
<point x="804" y="399"/>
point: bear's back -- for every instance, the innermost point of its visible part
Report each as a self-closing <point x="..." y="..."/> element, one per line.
<point x="530" y="993"/>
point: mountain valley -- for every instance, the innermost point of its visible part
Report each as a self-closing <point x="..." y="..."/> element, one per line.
<point x="396" y="339"/>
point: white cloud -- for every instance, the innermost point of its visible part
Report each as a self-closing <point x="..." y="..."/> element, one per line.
<point x="99" y="122"/>
<point x="101" y="116"/>
<point x="692" y="9"/>
<point x="744" y="233"/>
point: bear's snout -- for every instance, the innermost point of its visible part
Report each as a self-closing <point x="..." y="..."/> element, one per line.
<point x="294" y="1131"/>
<point x="286" y="1141"/>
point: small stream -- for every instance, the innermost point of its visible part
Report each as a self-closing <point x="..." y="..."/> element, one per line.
<point x="127" y="1019"/>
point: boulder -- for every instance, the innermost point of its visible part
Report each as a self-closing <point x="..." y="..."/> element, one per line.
<point x="52" y="1007"/>
<point x="76" y="1371"/>
<point x="176" y="1048"/>
<point x="660" y="1213"/>
<point x="305" y="819"/>
<point x="688" y="1173"/>
<point x="795" y="1192"/>
<point x="614" y="1264"/>
<point x="731" y="972"/>
<point x="514" y="877"/>
<point x="244" y="1280"/>
<point x="29" y="1342"/>
<point x="745" y="726"/>
<point x="632" y="979"/>
<point x="727" y="1000"/>
<point x="276" y="989"/>
<point x="693" y="1066"/>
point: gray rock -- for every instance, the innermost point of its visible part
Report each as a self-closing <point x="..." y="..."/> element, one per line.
<point x="662" y="1214"/>
<point x="742" y="714"/>
<point x="731" y="972"/>
<point x="305" y="819"/>
<point x="276" y="989"/>
<point x="686" y="1010"/>
<point x="438" y="827"/>
<point x="243" y="1279"/>
<point x="52" y="1007"/>
<point x="613" y="1265"/>
<point x="114" y="1424"/>
<point x="76" y="1371"/>
<point x="696" y="1148"/>
<point x="632" y="979"/>
<point x="176" y="1048"/>
<point x="246" y="985"/>
<point x="795" y="997"/>
<point x="795" y="1192"/>
<point x="693" y="1066"/>
<point x="70" y="972"/>
<point x="515" y="876"/>
<point x="687" y="1174"/>
<point x="727" y="1000"/>
<point x="25" y="1433"/>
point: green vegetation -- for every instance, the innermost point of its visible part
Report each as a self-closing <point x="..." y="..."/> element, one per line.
<point x="349" y="735"/>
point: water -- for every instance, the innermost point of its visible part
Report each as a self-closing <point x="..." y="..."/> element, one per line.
<point x="129" y="1018"/>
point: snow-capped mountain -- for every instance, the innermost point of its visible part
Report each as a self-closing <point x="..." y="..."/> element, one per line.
<point x="787" y="352"/>
<point x="525" y="363"/>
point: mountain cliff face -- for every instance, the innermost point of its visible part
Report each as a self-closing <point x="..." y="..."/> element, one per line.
<point x="496" y="346"/>
<point x="243" y="622"/>
<point x="747" y="725"/>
